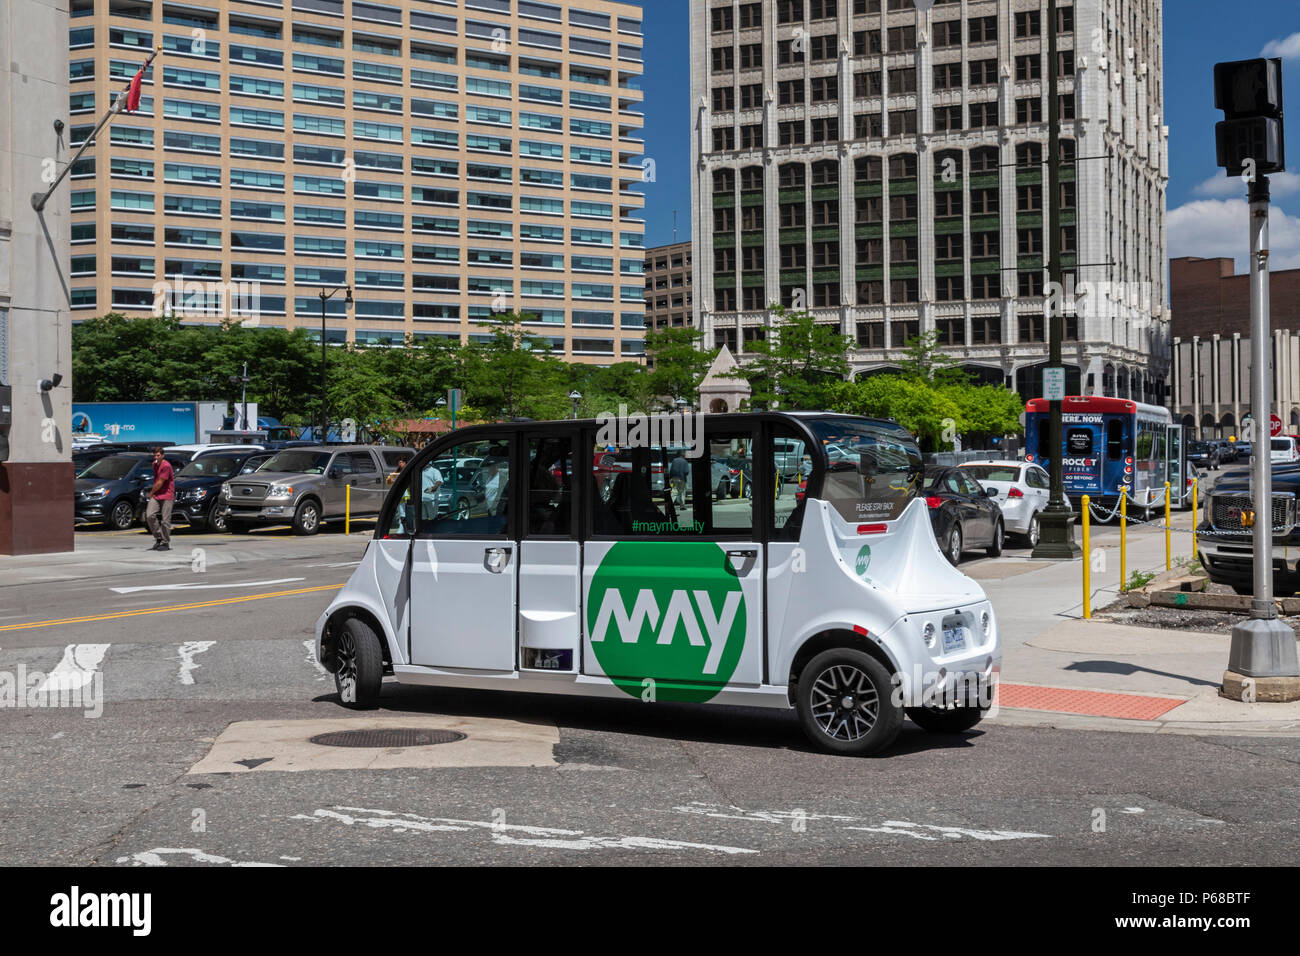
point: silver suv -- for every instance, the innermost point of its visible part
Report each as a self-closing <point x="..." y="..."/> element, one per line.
<point x="305" y="487"/>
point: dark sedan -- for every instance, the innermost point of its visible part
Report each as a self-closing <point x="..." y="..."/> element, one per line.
<point x="1204" y="454"/>
<point x="964" y="515"/>
<point x="198" y="486"/>
<point x="110" y="490"/>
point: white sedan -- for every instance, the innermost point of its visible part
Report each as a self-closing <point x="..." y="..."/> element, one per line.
<point x="1021" y="489"/>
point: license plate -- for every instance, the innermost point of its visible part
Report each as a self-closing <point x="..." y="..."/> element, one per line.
<point x="954" y="639"/>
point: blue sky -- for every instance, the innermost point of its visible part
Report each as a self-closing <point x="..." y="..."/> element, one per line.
<point x="1206" y="211"/>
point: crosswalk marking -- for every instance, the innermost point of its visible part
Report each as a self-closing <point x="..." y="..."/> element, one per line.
<point x="187" y="652"/>
<point x="76" y="670"/>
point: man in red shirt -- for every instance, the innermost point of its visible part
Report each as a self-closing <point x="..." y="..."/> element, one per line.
<point x="161" y="498"/>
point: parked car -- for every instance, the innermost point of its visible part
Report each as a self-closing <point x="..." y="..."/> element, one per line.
<point x="306" y="487"/>
<point x="1227" y="450"/>
<point x="1226" y="538"/>
<point x="1204" y="454"/>
<point x="198" y="487"/>
<point x="109" y="491"/>
<point x="963" y="514"/>
<point x="1244" y="450"/>
<point x="1283" y="450"/>
<point x="1021" y="489"/>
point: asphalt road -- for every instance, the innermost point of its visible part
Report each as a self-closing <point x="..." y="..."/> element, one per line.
<point x="201" y="754"/>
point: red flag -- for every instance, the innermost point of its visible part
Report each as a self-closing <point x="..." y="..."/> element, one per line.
<point x="133" y="94"/>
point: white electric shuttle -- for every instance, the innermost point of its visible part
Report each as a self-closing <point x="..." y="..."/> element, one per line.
<point x="502" y="561"/>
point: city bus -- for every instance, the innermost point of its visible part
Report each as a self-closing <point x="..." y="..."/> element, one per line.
<point x="836" y="603"/>
<point x="1109" y="443"/>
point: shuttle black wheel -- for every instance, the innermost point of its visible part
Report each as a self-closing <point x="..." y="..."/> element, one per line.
<point x="846" y="703"/>
<point x="360" y="672"/>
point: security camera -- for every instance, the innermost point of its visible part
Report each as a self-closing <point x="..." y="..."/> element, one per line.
<point x="58" y="126"/>
<point x="49" y="383"/>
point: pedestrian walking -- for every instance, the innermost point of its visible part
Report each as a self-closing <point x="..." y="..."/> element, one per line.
<point x="679" y="472"/>
<point x="161" y="498"/>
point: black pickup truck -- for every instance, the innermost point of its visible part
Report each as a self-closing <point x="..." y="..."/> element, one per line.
<point x="1226" y="531"/>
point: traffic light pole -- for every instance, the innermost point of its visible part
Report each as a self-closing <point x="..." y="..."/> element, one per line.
<point x="1056" y="521"/>
<point x="1262" y="661"/>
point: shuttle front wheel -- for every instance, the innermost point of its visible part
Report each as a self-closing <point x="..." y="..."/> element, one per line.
<point x="846" y="704"/>
<point x="360" y="672"/>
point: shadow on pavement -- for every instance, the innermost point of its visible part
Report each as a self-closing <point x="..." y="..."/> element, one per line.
<point x="732" y="726"/>
<point x="1127" y="670"/>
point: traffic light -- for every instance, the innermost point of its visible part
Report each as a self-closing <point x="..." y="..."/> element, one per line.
<point x="1250" y="94"/>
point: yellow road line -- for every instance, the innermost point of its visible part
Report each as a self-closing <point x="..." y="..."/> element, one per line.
<point x="175" y="607"/>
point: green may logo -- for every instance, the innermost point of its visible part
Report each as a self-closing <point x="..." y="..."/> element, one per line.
<point x="672" y="612"/>
<point x="678" y="614"/>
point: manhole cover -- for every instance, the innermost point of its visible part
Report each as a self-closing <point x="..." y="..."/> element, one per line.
<point x="395" y="737"/>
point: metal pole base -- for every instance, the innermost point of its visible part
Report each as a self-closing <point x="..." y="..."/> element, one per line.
<point x="1264" y="648"/>
<point x="1056" y="534"/>
<point x="1260" y="690"/>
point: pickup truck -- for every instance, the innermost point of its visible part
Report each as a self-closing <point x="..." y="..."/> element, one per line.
<point x="1226" y="531"/>
<point x="305" y="487"/>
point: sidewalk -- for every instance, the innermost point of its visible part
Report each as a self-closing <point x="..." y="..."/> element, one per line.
<point x="1059" y="670"/>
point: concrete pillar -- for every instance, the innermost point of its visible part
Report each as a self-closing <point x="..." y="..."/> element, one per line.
<point x="36" y="479"/>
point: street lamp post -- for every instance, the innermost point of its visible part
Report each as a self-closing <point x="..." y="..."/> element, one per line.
<point x="575" y="396"/>
<point x="324" y="409"/>
<point x="243" y="380"/>
<point x="1056" y="522"/>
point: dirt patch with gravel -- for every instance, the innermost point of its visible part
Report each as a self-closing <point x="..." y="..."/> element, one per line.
<point x="1183" y="619"/>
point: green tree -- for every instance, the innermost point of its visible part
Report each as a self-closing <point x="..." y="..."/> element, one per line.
<point x="915" y="404"/>
<point x="679" y="364"/>
<point x="800" y="365"/>
<point x="505" y="378"/>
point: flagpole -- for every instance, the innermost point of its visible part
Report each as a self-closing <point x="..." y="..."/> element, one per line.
<point x="40" y="199"/>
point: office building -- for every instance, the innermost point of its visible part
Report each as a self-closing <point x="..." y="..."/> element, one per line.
<point x="885" y="169"/>
<point x="669" y="299"/>
<point x="1210" y="307"/>
<point x="449" y="161"/>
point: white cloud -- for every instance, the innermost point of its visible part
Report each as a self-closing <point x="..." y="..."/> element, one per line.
<point x="1214" y="228"/>
<point x="1288" y="47"/>
<point x="1223" y="186"/>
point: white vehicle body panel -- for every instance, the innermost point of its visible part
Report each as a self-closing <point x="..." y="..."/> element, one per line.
<point x="449" y="621"/>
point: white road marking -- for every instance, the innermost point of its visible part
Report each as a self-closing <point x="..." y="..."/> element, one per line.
<point x="155" y="856"/>
<point x="339" y="564"/>
<point x="321" y="672"/>
<point x="201" y="587"/>
<point x="920" y="831"/>
<point x="187" y="652"/>
<point x="1133" y="810"/>
<point x="77" y="668"/>
<point x="507" y="834"/>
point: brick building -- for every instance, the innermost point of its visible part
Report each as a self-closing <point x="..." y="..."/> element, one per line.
<point x="668" y="299"/>
<point x="1210" y="308"/>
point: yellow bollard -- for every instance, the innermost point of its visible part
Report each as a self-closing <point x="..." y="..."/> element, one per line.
<point x="1169" y="535"/>
<point x="347" y="510"/>
<point x="1194" y="548"/>
<point x="1123" y="538"/>
<point x="1087" y="563"/>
